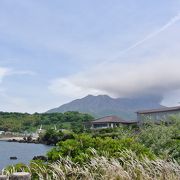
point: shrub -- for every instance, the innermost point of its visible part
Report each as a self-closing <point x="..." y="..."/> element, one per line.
<point x="162" y="140"/>
<point x="78" y="149"/>
<point x="105" y="168"/>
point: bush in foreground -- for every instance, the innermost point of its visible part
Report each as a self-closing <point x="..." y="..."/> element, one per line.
<point x="127" y="167"/>
<point x="79" y="149"/>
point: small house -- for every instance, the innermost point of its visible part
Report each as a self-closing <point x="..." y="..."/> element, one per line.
<point x="109" y="122"/>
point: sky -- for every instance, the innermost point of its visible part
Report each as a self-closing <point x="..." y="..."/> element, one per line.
<point x="52" y="52"/>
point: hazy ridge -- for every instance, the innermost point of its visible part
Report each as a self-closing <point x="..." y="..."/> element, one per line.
<point x="103" y="105"/>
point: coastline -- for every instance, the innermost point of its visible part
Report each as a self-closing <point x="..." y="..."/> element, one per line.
<point x="19" y="139"/>
<point x="11" y="138"/>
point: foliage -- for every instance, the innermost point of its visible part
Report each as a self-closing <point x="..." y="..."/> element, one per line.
<point x="127" y="167"/>
<point x="162" y="139"/>
<point x="116" y="133"/>
<point x="20" y="122"/>
<point x="80" y="148"/>
<point x="51" y="136"/>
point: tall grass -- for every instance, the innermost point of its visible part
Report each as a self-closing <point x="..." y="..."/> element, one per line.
<point x="127" y="167"/>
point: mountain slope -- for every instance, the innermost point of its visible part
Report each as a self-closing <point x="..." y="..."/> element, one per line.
<point x="104" y="105"/>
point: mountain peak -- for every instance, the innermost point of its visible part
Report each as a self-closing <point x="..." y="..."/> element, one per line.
<point x="97" y="96"/>
<point x="103" y="105"/>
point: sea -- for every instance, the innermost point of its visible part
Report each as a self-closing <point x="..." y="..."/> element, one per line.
<point x="23" y="151"/>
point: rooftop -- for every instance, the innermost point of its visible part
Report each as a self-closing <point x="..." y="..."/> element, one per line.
<point x="166" y="109"/>
<point x="111" y="119"/>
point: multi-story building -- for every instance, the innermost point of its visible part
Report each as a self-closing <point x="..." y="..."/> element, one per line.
<point x="157" y="115"/>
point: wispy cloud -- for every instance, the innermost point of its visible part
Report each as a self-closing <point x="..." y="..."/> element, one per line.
<point x="66" y="88"/>
<point x="170" y="23"/>
<point x="4" y="72"/>
<point x="22" y="72"/>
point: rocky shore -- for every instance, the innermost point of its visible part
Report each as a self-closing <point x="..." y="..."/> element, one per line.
<point x="20" y="140"/>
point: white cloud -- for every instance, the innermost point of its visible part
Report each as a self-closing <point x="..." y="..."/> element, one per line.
<point x="11" y="72"/>
<point x="67" y="89"/>
<point x="121" y="80"/>
<point x="172" y="98"/>
<point x="3" y="72"/>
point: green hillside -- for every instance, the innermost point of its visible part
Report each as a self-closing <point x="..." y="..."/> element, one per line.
<point x="20" y="122"/>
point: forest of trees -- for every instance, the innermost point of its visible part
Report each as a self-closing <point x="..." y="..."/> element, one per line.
<point x="21" y="122"/>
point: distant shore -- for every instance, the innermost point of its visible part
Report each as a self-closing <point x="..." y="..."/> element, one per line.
<point x="11" y="138"/>
<point x="19" y="139"/>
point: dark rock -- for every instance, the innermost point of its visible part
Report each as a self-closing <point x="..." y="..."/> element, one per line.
<point x="20" y="176"/>
<point x="43" y="158"/>
<point x="13" y="158"/>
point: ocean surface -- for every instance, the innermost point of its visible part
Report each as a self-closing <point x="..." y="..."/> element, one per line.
<point x="23" y="151"/>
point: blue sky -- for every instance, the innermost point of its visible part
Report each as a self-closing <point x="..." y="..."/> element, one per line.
<point x="52" y="52"/>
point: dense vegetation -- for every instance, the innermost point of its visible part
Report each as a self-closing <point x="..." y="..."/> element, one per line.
<point x="147" y="152"/>
<point x="20" y="122"/>
<point x="127" y="167"/>
<point x="150" y="140"/>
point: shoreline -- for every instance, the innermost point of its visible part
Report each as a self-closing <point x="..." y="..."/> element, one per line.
<point x="19" y="140"/>
<point x="11" y="138"/>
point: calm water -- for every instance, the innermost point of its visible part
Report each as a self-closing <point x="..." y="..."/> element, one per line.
<point x="24" y="152"/>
